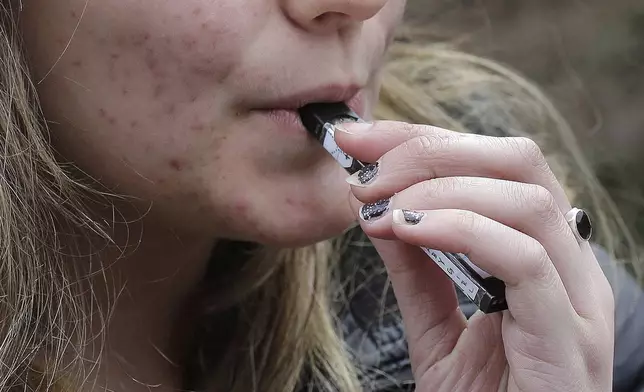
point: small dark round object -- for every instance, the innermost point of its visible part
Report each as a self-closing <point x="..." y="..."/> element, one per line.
<point x="580" y="224"/>
<point x="584" y="227"/>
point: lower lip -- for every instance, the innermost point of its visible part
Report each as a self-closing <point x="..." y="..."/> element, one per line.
<point x="289" y="120"/>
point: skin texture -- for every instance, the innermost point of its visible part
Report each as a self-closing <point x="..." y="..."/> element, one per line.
<point x="158" y="100"/>
<point x="158" y="103"/>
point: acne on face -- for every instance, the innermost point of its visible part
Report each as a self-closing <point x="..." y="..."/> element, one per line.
<point x="144" y="88"/>
<point x="160" y="65"/>
<point x="176" y="164"/>
<point x="152" y="90"/>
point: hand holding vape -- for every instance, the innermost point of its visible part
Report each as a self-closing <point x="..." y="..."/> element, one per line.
<point x="487" y="292"/>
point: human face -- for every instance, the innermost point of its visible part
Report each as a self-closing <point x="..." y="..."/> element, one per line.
<point x="189" y="105"/>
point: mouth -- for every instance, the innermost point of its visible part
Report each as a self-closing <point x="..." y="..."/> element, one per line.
<point x="331" y="93"/>
<point x="284" y="110"/>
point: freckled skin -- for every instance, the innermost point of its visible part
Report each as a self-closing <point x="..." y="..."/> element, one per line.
<point x="168" y="88"/>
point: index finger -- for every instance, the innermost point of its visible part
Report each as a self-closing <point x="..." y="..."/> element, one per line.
<point x="381" y="136"/>
<point x="509" y="158"/>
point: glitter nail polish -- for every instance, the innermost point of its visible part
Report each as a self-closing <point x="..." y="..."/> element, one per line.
<point x="368" y="173"/>
<point x="413" y="217"/>
<point x="373" y="211"/>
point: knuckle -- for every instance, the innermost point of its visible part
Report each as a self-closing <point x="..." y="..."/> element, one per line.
<point x="470" y="224"/>
<point x="425" y="145"/>
<point x="432" y="189"/>
<point x="411" y="130"/>
<point x="543" y="204"/>
<point x="435" y="188"/>
<point x="530" y="152"/>
<point x="421" y="146"/>
<point x="536" y="263"/>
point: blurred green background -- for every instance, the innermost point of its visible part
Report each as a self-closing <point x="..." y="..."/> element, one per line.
<point x="588" y="55"/>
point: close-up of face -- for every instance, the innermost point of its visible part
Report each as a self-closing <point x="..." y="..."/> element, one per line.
<point x="190" y="106"/>
<point x="305" y="195"/>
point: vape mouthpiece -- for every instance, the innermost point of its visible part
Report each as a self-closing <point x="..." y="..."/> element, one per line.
<point x="320" y="119"/>
<point x="315" y="115"/>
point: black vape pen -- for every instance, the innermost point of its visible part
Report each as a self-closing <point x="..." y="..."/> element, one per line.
<point x="487" y="292"/>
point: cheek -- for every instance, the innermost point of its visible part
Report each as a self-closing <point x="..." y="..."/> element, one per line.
<point x="137" y="83"/>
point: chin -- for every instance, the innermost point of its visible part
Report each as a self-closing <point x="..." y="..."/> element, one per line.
<point x="291" y="222"/>
<point x="296" y="236"/>
<point x="305" y="218"/>
<point x="304" y="235"/>
<point x="300" y="229"/>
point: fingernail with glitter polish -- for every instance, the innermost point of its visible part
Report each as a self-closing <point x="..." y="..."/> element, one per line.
<point x="407" y="217"/>
<point x="364" y="176"/>
<point x="373" y="211"/>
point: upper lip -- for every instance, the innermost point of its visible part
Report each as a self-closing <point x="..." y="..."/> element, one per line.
<point x="330" y="93"/>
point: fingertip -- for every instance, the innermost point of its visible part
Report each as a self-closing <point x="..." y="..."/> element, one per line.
<point x="342" y="134"/>
<point x="355" y="128"/>
<point x="398" y="217"/>
<point x="347" y="134"/>
<point x="405" y="226"/>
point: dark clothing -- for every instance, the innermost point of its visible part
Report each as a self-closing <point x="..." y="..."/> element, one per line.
<point x="373" y="328"/>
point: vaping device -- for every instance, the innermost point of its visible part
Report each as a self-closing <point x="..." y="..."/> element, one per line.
<point x="484" y="290"/>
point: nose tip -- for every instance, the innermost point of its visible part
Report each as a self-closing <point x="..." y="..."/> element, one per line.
<point x="359" y="10"/>
<point x="331" y="15"/>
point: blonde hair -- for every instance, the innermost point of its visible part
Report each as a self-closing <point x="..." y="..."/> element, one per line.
<point x="285" y="333"/>
<point x="43" y="311"/>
